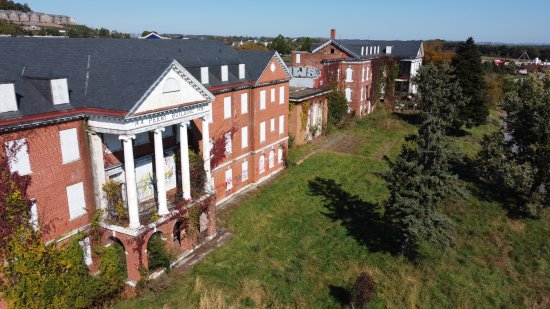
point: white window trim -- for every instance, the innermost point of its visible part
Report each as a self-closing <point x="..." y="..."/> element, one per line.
<point x="272" y="91"/>
<point x="282" y="95"/>
<point x="272" y="125"/>
<point x="281" y="124"/>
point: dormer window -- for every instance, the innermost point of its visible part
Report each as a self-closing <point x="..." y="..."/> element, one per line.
<point x="362" y="50"/>
<point x="171" y="85"/>
<point x="204" y="75"/>
<point x="224" y="73"/>
<point x="241" y="71"/>
<point x="8" y="101"/>
<point x="388" y="50"/>
<point x="60" y="91"/>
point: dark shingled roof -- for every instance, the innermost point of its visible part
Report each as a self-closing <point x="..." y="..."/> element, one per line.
<point x="120" y="71"/>
<point x="401" y="49"/>
<point x="254" y="59"/>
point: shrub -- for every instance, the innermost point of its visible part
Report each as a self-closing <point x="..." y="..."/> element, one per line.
<point x="115" y="202"/>
<point x="198" y="175"/>
<point x="363" y="289"/>
<point x="337" y="109"/>
<point x="157" y="254"/>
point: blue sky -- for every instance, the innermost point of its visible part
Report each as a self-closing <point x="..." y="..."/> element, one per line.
<point x="485" y="20"/>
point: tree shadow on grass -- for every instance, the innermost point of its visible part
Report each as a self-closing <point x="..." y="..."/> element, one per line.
<point x="412" y="118"/>
<point x="340" y="294"/>
<point x="364" y="221"/>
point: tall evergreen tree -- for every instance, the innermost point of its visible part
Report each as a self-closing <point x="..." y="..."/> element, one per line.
<point x="517" y="159"/>
<point x="469" y="71"/>
<point x="280" y="44"/>
<point x="419" y="180"/>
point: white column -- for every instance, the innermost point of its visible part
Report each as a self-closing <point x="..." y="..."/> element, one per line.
<point x="184" y="161"/>
<point x="206" y="151"/>
<point x="98" y="169"/>
<point x="131" y="186"/>
<point x="160" y="172"/>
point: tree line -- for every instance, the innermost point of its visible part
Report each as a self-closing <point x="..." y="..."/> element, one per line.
<point x="10" y="5"/>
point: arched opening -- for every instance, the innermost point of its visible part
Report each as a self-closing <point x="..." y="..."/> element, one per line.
<point x="179" y="232"/>
<point x="157" y="255"/>
<point x="171" y="85"/>
<point x="116" y="253"/>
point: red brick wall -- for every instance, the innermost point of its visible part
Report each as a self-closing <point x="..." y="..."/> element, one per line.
<point x="50" y="177"/>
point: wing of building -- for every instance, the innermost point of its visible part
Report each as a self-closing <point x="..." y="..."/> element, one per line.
<point x="349" y="65"/>
<point x="173" y="123"/>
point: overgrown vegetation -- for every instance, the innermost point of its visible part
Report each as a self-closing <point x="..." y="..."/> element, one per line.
<point x="519" y="166"/>
<point x="338" y="107"/>
<point x="38" y="275"/>
<point x="157" y="255"/>
<point x="115" y="202"/>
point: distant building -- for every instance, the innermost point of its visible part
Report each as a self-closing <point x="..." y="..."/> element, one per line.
<point x="348" y="65"/>
<point x="153" y="36"/>
<point x="36" y="19"/>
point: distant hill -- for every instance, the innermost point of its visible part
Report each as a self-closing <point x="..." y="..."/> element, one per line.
<point x="10" y="5"/>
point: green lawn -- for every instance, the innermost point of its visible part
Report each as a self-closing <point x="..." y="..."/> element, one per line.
<point x="301" y="241"/>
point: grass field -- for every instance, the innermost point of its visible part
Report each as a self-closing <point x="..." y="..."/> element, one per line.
<point x="301" y="242"/>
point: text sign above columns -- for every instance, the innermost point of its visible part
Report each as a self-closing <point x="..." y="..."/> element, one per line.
<point x="167" y="117"/>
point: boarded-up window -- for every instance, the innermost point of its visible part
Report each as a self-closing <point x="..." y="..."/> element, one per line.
<point x="261" y="165"/>
<point x="244" y="167"/>
<point x="69" y="145"/>
<point x="349" y="75"/>
<point x="76" y="201"/>
<point x="272" y="94"/>
<point x="224" y="73"/>
<point x="244" y="137"/>
<point x="281" y="124"/>
<point x="272" y="125"/>
<point x="280" y="155"/>
<point x="204" y="75"/>
<point x="241" y="71"/>
<point x="227" y="107"/>
<point x="262" y="99"/>
<point x="281" y="95"/>
<point x="228" y="179"/>
<point x="60" y="91"/>
<point x="244" y="103"/>
<point x="20" y="161"/>
<point x="228" y="143"/>
<point x="262" y="132"/>
<point x="271" y="159"/>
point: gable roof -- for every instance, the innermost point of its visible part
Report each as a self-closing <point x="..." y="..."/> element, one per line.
<point x="111" y="74"/>
<point x="258" y="61"/>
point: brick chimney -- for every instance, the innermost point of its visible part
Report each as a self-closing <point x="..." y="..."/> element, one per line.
<point x="332" y="34"/>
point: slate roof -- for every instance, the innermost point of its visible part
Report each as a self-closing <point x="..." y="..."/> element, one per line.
<point x="401" y="49"/>
<point x="120" y="71"/>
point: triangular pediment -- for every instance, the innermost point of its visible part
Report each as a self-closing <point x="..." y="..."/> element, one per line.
<point x="176" y="87"/>
<point x="276" y="69"/>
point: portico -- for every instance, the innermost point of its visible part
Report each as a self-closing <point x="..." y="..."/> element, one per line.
<point x="157" y="124"/>
<point x="170" y="105"/>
